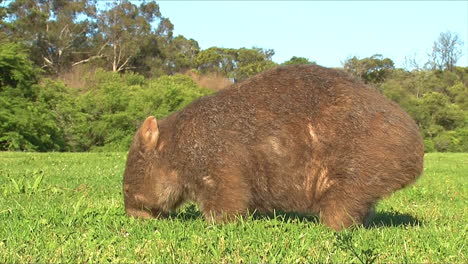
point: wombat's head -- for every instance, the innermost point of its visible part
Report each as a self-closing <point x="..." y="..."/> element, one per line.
<point x="150" y="187"/>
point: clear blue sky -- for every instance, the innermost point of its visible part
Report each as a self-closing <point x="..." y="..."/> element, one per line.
<point x="327" y="32"/>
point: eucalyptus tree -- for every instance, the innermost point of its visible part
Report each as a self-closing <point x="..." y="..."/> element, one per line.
<point x="56" y="31"/>
<point x="237" y="64"/>
<point x="374" y="69"/>
<point x="126" y="28"/>
<point x="298" y="60"/>
<point x="446" y="51"/>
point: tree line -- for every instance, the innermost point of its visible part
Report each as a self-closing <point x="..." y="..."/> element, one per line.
<point x="120" y="37"/>
<point x="79" y="76"/>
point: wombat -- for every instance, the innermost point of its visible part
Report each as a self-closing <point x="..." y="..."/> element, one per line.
<point x="302" y="138"/>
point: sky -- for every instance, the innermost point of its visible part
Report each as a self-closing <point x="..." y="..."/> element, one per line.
<point x="327" y="32"/>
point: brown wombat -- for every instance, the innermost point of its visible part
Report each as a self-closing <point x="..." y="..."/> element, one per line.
<point x="303" y="139"/>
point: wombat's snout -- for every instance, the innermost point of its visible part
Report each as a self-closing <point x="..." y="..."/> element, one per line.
<point x="145" y="214"/>
<point x="138" y="213"/>
<point x="138" y="206"/>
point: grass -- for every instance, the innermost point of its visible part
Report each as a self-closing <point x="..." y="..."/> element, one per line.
<point x="68" y="207"/>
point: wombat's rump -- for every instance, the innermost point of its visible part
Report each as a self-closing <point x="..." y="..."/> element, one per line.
<point x="298" y="139"/>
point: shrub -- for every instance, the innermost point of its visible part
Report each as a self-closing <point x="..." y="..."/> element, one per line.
<point x="27" y="121"/>
<point x="429" y="145"/>
<point x="452" y="141"/>
<point x="116" y="104"/>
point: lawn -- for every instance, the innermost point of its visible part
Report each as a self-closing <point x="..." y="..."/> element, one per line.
<point x="68" y="207"/>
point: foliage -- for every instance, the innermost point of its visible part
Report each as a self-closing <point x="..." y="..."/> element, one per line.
<point x="298" y="60"/>
<point x="237" y="64"/>
<point x="216" y="60"/>
<point x="374" y="69"/>
<point x="438" y="110"/>
<point x="181" y="54"/>
<point x="67" y="208"/>
<point x="115" y="105"/>
<point x="459" y="94"/>
<point x="43" y="41"/>
<point x="123" y="26"/>
<point x="452" y="141"/>
<point x="49" y="116"/>
<point x="117" y="36"/>
<point x="25" y="122"/>
<point x="16" y="70"/>
<point x="446" y="51"/>
<point x="55" y="31"/>
<point x="437" y="101"/>
<point x="61" y="103"/>
<point x="250" y="62"/>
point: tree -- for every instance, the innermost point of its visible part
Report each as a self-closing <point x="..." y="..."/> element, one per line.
<point x="56" y="31"/>
<point x="374" y="69"/>
<point x="237" y="64"/>
<point x="123" y="29"/>
<point x="250" y="62"/>
<point x="439" y="111"/>
<point x="216" y="60"/>
<point x="413" y="63"/>
<point x="298" y="60"/>
<point x="181" y="54"/>
<point x="3" y="24"/>
<point x="62" y="34"/>
<point x="446" y="51"/>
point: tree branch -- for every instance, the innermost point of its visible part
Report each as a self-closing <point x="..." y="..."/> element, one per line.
<point x="88" y="59"/>
<point x="97" y="56"/>
<point x="121" y="67"/>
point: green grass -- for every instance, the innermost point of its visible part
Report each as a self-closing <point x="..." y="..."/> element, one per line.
<point x="68" y="207"/>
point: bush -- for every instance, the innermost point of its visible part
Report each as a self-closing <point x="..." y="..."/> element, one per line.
<point x="103" y="113"/>
<point x="461" y="139"/>
<point x="115" y="105"/>
<point x="27" y="121"/>
<point x="452" y="141"/>
<point x="27" y="126"/>
<point x="17" y="71"/>
<point x="429" y="145"/>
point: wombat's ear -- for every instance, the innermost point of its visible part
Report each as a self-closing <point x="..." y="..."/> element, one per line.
<point x="149" y="133"/>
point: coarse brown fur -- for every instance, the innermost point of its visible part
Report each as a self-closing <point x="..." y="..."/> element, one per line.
<point x="301" y="139"/>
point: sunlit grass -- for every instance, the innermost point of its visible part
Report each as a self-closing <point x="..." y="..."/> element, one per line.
<point x="67" y="207"/>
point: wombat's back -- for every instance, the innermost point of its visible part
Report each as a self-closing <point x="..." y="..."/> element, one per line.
<point x="334" y="113"/>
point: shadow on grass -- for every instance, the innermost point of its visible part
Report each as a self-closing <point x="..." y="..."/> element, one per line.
<point x="191" y="212"/>
<point x="286" y="217"/>
<point x="381" y="219"/>
<point x="393" y="219"/>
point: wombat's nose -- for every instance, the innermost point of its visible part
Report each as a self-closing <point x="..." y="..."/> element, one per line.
<point x="138" y="213"/>
<point x="145" y="213"/>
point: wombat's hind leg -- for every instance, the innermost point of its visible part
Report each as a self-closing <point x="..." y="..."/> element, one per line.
<point x="370" y="216"/>
<point x="343" y="212"/>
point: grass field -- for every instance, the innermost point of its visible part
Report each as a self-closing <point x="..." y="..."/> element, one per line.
<point x="68" y="207"/>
